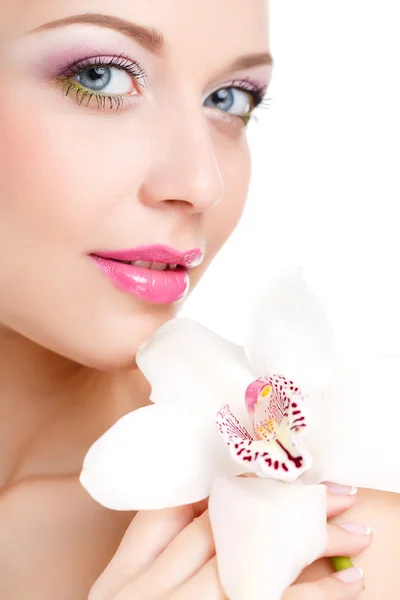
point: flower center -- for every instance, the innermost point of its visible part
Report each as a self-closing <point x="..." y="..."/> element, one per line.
<point x="267" y="432"/>
<point x="277" y="409"/>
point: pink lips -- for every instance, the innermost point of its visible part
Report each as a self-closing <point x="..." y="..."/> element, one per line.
<point x="156" y="287"/>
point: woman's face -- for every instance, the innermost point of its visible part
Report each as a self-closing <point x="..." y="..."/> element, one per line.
<point x="114" y="137"/>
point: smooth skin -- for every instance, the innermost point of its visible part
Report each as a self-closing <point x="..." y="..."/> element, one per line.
<point x="171" y="168"/>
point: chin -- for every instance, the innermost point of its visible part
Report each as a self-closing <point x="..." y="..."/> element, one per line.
<point x="111" y="344"/>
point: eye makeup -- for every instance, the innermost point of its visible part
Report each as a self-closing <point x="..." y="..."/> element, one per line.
<point x="96" y="68"/>
<point x="86" y="53"/>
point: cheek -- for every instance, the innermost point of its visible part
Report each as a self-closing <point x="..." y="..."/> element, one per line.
<point x="57" y="171"/>
<point x="37" y="176"/>
<point x="223" y="219"/>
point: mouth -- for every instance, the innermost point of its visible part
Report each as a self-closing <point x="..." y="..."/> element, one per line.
<point x="155" y="273"/>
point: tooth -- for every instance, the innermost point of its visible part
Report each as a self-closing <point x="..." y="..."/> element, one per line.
<point x="142" y="263"/>
<point x="159" y="266"/>
<point x="173" y="267"/>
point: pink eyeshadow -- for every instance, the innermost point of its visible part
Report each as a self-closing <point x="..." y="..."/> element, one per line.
<point x="58" y="63"/>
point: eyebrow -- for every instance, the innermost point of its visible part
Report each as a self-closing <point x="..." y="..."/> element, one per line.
<point x="148" y="37"/>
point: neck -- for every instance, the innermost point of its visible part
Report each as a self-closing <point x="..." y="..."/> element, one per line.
<point x="52" y="409"/>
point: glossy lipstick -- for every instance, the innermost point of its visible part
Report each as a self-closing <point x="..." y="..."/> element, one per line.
<point x="150" y="284"/>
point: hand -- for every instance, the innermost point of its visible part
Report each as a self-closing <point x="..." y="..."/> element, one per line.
<point x="170" y="555"/>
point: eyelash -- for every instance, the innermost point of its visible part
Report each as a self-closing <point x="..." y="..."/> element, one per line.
<point x="116" y="102"/>
<point x="261" y="100"/>
<point x="119" y="62"/>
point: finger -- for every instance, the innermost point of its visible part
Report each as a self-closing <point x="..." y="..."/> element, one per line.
<point x="200" y="507"/>
<point x="340" y="498"/>
<point x="347" y="539"/>
<point x="329" y="588"/>
<point x="204" y="584"/>
<point x="182" y="559"/>
<point x="145" y="539"/>
<point x="194" y="547"/>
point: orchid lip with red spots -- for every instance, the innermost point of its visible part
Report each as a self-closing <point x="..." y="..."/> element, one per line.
<point x="278" y="411"/>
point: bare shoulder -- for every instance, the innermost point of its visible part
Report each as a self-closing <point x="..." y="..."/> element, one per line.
<point x="54" y="522"/>
<point x="381" y="511"/>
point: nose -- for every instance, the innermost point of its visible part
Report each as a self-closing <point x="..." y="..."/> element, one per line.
<point x="183" y="170"/>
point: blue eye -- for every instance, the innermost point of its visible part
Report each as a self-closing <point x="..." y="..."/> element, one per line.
<point x="108" y="80"/>
<point x="111" y="82"/>
<point x="240" y="98"/>
<point x="239" y="102"/>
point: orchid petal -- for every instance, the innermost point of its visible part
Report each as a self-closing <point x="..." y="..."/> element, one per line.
<point x="266" y="532"/>
<point x="155" y="457"/>
<point x="357" y="441"/>
<point x="188" y="364"/>
<point x="291" y="334"/>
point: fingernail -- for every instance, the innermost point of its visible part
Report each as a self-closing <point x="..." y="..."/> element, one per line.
<point x="350" y="575"/>
<point x="359" y="528"/>
<point x="341" y="490"/>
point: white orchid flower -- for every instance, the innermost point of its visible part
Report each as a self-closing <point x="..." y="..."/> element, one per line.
<point x="220" y="411"/>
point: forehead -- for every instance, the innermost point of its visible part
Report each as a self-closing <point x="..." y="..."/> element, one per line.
<point x="203" y="25"/>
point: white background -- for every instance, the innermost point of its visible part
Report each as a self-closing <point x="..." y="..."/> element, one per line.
<point x="325" y="184"/>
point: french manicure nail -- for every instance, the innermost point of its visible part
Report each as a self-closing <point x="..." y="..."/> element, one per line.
<point x="350" y="575"/>
<point x="341" y="490"/>
<point x="359" y="528"/>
